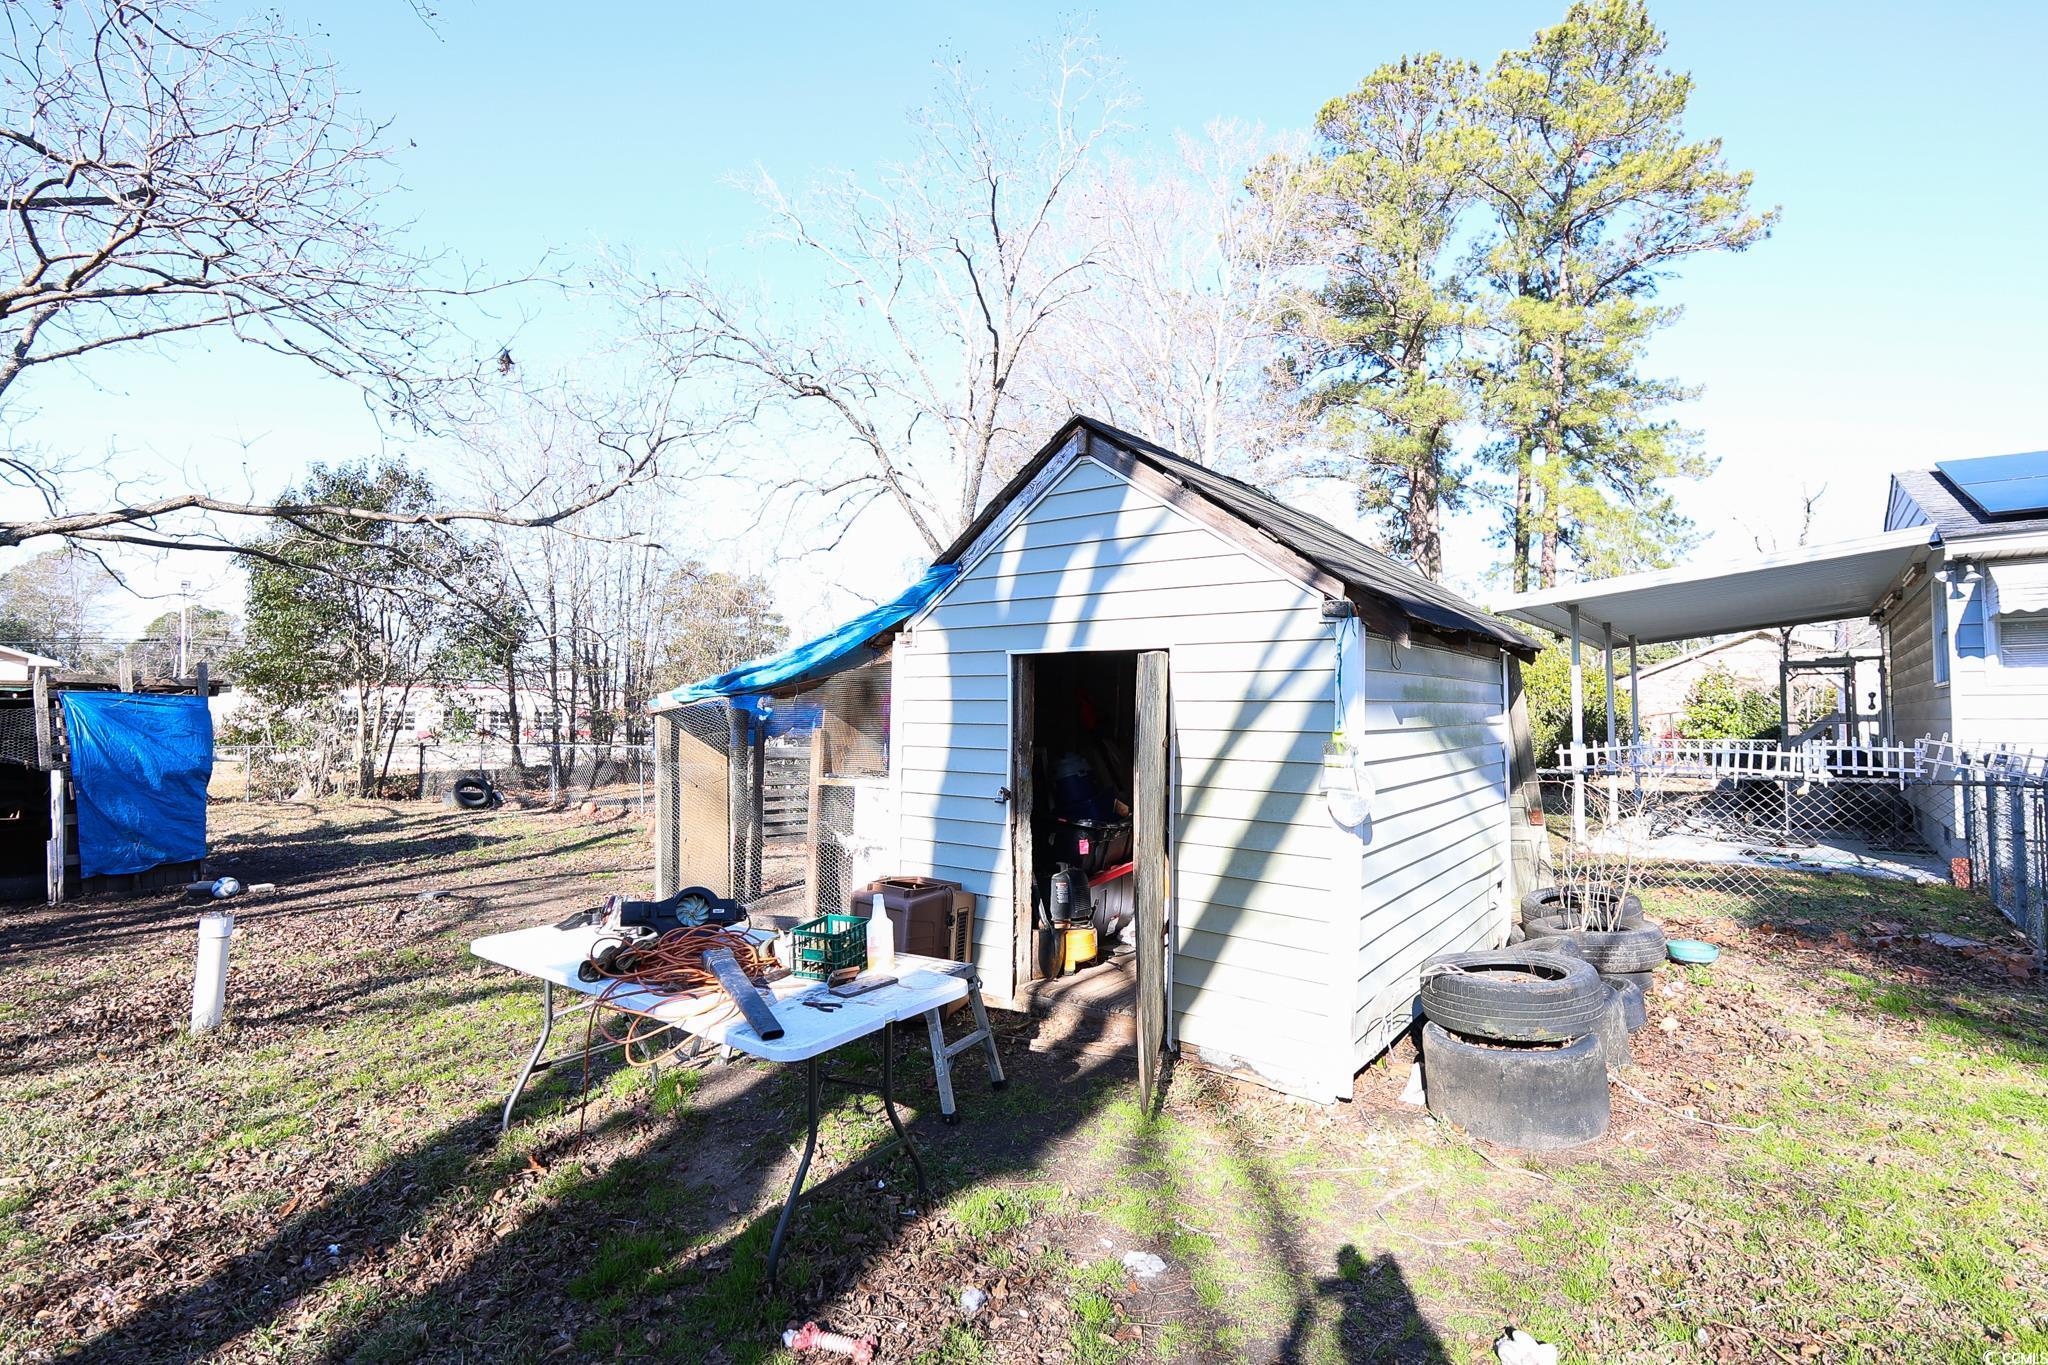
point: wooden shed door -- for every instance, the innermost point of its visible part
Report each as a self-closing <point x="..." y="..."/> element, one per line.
<point x="1151" y="810"/>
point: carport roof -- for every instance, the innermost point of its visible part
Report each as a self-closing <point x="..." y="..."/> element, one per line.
<point x="1812" y="583"/>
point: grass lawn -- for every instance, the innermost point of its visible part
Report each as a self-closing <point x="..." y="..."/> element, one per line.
<point x="1835" y="1149"/>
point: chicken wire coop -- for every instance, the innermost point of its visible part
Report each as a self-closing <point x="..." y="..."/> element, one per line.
<point x="782" y="801"/>
<point x="1753" y="822"/>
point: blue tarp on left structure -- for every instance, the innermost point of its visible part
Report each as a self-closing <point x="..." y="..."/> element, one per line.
<point x="835" y="652"/>
<point x="139" y="768"/>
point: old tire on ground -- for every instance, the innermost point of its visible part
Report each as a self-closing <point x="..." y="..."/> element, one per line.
<point x="1549" y="906"/>
<point x="1613" y="1030"/>
<point x="1644" y="982"/>
<point x="1616" y="952"/>
<point x="472" y="793"/>
<point x="1514" y="995"/>
<point x="1515" y="935"/>
<point x="1634" y="1012"/>
<point x="1538" y="1098"/>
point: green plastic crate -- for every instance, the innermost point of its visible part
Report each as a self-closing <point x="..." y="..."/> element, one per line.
<point x="828" y="944"/>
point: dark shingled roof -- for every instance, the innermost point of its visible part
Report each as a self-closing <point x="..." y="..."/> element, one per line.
<point x="1357" y="565"/>
<point x="1954" y="516"/>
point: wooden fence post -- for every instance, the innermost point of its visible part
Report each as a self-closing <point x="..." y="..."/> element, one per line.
<point x="46" y="757"/>
<point x="57" y="852"/>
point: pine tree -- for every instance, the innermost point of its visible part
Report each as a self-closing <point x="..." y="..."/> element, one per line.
<point x="1596" y="196"/>
<point x="1377" y="347"/>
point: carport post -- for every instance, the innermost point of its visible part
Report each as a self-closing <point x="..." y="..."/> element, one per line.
<point x="1578" y="738"/>
<point x="1635" y="716"/>
<point x="1785" y="726"/>
<point x="1607" y="667"/>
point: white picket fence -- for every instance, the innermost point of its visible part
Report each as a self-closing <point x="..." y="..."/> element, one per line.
<point x="1817" y="760"/>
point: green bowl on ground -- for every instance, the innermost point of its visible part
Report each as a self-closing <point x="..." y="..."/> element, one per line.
<point x="1692" y="951"/>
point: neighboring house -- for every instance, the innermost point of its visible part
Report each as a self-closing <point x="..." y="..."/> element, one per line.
<point x="1114" y="595"/>
<point x="1754" y="659"/>
<point x="1968" y="639"/>
<point x="452" y="712"/>
<point x="1956" y="584"/>
<point x="18" y="667"/>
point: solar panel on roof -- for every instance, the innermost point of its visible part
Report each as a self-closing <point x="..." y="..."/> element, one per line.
<point x="2002" y="485"/>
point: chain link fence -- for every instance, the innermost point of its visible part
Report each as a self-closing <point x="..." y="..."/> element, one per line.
<point x="2005" y="827"/>
<point x="609" y="774"/>
<point x="1739" y="819"/>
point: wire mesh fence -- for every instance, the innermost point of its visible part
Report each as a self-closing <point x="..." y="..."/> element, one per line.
<point x="2005" y="827"/>
<point x="783" y="802"/>
<point x="610" y="774"/>
<point x="1754" y="827"/>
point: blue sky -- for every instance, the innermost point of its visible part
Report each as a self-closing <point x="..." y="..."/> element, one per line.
<point x="1895" y="318"/>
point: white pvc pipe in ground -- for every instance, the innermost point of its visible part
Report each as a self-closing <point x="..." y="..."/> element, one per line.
<point x="210" y="976"/>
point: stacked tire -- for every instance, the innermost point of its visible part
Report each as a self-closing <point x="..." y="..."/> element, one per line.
<point x="1516" y="1045"/>
<point x="1625" y="948"/>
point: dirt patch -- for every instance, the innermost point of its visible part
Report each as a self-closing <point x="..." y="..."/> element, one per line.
<point x="1828" y="1147"/>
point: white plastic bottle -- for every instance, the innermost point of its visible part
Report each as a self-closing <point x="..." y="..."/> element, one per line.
<point x="881" y="937"/>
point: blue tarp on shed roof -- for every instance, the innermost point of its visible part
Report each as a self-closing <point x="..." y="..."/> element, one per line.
<point x="139" y="768"/>
<point x="835" y="652"/>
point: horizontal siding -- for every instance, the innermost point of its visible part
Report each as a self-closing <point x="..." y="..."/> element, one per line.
<point x="1267" y="806"/>
<point x="1142" y="604"/>
<point x="1434" y="860"/>
<point x="1901" y="511"/>
<point x="1099" y="564"/>
<point x="2003" y="702"/>
<point x="1268" y="632"/>
<point x="1214" y="569"/>
<point x="1920" y="707"/>
<point x="1389" y="1005"/>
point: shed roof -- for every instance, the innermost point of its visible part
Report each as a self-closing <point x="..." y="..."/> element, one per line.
<point x="1411" y="598"/>
<point x="1955" y="516"/>
<point x="1399" y="595"/>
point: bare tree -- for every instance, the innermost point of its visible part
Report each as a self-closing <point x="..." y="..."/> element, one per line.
<point x="164" y="176"/>
<point x="1178" y="336"/>
<point x="940" y="280"/>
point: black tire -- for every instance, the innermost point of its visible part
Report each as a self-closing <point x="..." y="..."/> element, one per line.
<point x="1544" y="926"/>
<point x="1515" y="935"/>
<point x="473" y="793"/>
<point x="1514" y="995"/>
<point x="1539" y="1098"/>
<point x="1566" y="941"/>
<point x="1634" y="1012"/>
<point x="1644" y="982"/>
<point x="1617" y="952"/>
<point x="1613" y="1030"/>
<point x="1548" y="906"/>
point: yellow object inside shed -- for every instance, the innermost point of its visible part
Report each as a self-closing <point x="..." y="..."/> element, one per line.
<point x="1077" y="946"/>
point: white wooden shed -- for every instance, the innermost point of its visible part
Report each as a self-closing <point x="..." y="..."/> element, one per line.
<point x="1115" y="597"/>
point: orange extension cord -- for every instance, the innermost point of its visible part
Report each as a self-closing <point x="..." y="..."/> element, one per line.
<point x="672" y="964"/>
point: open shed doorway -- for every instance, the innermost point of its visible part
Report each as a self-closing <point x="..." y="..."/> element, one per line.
<point x="1077" y="838"/>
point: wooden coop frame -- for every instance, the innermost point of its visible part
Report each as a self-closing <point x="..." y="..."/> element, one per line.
<point x="61" y="879"/>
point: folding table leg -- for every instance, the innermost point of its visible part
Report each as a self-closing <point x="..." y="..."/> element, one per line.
<point x="803" y="1166"/>
<point x="814" y="1078"/>
<point x="547" y="1029"/>
<point x="924" y="1193"/>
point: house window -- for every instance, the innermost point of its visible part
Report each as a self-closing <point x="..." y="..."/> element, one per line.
<point x="1937" y="595"/>
<point x="2023" y="641"/>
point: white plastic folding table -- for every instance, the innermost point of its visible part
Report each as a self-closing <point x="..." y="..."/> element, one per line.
<point x="923" y="987"/>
